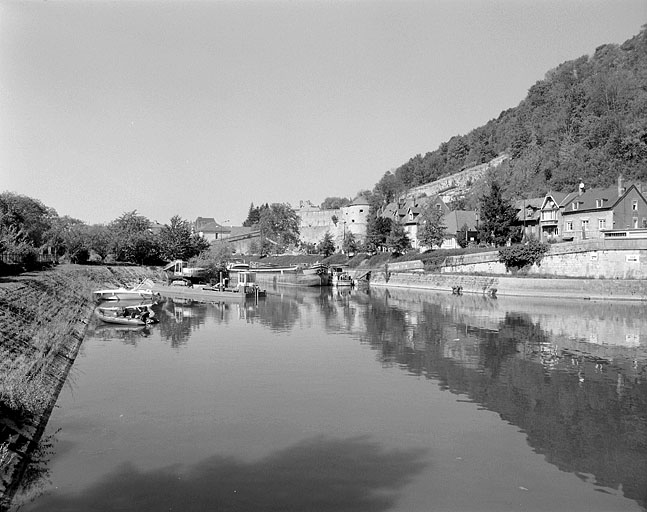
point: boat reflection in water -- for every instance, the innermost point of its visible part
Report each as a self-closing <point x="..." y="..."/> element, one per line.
<point x="361" y="399"/>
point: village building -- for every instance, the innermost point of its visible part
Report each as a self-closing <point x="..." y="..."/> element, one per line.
<point x="210" y="230"/>
<point x="409" y="213"/>
<point x="591" y="213"/>
<point x="550" y="219"/>
<point x="461" y="227"/>
<point x="528" y="217"/>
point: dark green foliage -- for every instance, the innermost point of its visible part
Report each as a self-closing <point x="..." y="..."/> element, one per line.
<point x="377" y="231"/>
<point x="177" y="241"/>
<point x="397" y="241"/>
<point x="586" y="121"/>
<point x="497" y="217"/>
<point x="432" y="229"/>
<point x="253" y="216"/>
<point x="327" y="245"/>
<point x="520" y="256"/>
<point x="26" y="217"/>
<point x="279" y="225"/>
<point x="133" y="241"/>
<point x="462" y="236"/>
<point x="350" y="244"/>
<point x="334" y="203"/>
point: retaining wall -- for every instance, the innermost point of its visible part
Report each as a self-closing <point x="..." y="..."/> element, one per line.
<point x="599" y="258"/>
<point x="587" y="289"/>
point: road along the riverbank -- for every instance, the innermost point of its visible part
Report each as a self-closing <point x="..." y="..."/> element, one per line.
<point x="43" y="319"/>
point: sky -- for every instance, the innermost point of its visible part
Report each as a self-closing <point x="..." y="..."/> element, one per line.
<point x="201" y="108"/>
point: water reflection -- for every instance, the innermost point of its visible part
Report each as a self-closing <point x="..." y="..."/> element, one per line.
<point x="571" y="375"/>
<point x="319" y="474"/>
<point x="129" y="335"/>
<point x="582" y="403"/>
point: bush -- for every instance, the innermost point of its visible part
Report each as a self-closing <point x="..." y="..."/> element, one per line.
<point x="521" y="256"/>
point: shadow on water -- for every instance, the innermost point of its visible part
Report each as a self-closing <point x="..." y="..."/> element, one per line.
<point x="319" y="474"/>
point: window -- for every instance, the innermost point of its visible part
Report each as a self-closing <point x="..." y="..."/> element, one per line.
<point x="634" y="206"/>
<point x="585" y="224"/>
<point x="635" y="222"/>
<point x="569" y="225"/>
<point x="598" y="203"/>
<point x="602" y="223"/>
<point x="575" y="206"/>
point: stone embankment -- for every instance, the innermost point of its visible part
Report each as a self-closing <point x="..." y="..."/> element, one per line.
<point x="598" y="269"/>
<point x="43" y="319"/>
<point x="586" y="289"/>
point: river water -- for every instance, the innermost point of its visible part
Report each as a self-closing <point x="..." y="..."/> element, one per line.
<point x="363" y="400"/>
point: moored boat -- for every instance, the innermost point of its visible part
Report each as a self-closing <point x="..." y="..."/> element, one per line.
<point x="340" y="277"/>
<point x="261" y="268"/>
<point x="135" y="293"/>
<point x="240" y="285"/>
<point x="136" y="315"/>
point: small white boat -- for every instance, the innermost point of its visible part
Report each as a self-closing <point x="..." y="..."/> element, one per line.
<point x="141" y="314"/>
<point x="135" y="293"/>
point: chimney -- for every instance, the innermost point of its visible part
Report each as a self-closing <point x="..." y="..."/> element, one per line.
<point x="582" y="189"/>
<point x="621" y="185"/>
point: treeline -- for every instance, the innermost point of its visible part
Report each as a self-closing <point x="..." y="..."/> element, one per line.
<point x="28" y="229"/>
<point x="586" y="121"/>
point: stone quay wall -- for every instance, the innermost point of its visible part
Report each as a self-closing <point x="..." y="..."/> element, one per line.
<point x="598" y="258"/>
<point x="590" y="270"/>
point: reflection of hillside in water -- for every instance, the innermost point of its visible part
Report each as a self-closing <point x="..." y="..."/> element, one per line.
<point x="581" y="399"/>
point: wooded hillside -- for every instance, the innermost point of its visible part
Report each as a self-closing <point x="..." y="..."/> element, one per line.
<point x="586" y="121"/>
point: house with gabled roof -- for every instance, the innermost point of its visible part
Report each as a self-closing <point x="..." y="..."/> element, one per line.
<point x="528" y="215"/>
<point x="589" y="213"/>
<point x="550" y="220"/>
<point x="461" y="224"/>
<point x="408" y="214"/>
<point x="210" y="230"/>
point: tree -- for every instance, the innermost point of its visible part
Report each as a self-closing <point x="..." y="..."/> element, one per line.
<point x="398" y="241"/>
<point x="461" y="236"/>
<point x="26" y="216"/>
<point x="279" y="226"/>
<point x="100" y="240"/>
<point x="215" y="260"/>
<point x="70" y="237"/>
<point x="253" y="216"/>
<point x="389" y="187"/>
<point x="77" y="242"/>
<point x="334" y="203"/>
<point x="327" y="245"/>
<point x="178" y="242"/>
<point x="497" y="217"/>
<point x="350" y="245"/>
<point x="378" y="230"/>
<point x="133" y="240"/>
<point x="431" y="230"/>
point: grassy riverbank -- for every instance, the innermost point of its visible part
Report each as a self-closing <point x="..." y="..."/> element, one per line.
<point x="43" y="317"/>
